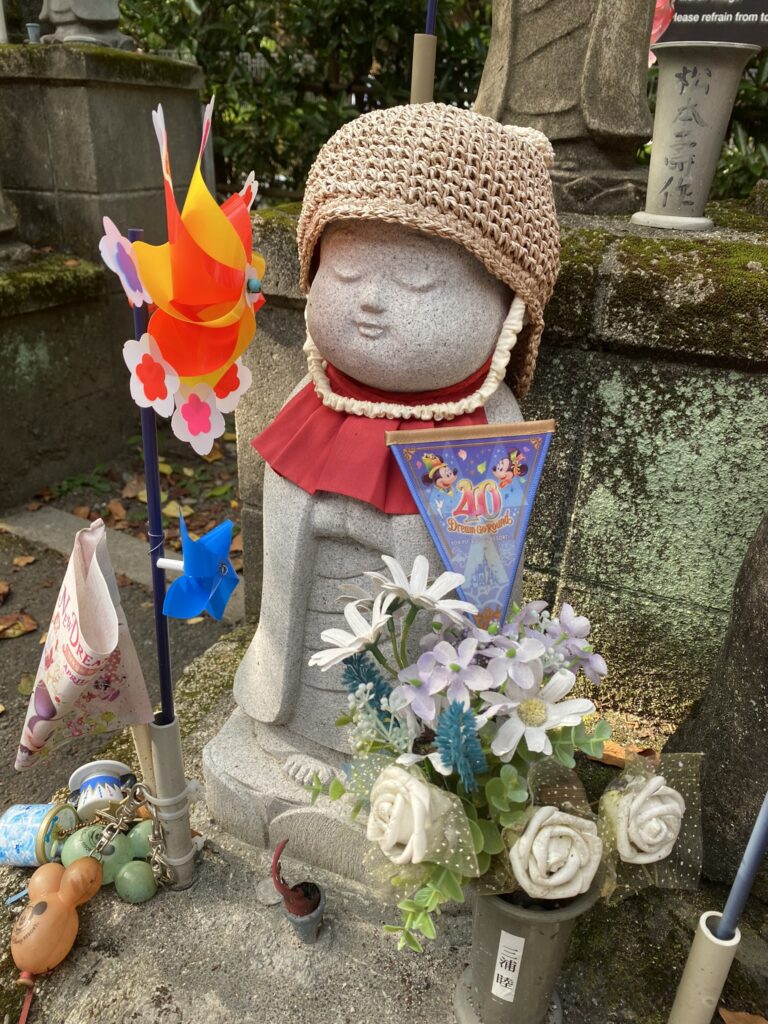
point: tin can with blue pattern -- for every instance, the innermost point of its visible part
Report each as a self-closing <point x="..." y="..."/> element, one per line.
<point x="30" y="834"/>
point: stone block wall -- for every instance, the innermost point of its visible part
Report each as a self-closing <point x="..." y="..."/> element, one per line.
<point x="654" y="364"/>
<point x="77" y="140"/>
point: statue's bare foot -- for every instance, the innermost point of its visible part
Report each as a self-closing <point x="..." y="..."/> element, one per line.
<point x="302" y="769"/>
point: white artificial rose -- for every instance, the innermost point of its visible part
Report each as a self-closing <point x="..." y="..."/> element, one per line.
<point x="557" y="856"/>
<point x="404" y="810"/>
<point x="646" y="816"/>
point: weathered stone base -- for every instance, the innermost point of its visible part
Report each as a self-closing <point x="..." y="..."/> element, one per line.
<point x="251" y="796"/>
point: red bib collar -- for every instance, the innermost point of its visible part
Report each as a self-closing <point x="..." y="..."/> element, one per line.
<point x="320" y="449"/>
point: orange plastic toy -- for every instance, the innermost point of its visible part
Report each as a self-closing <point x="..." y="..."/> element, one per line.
<point x="46" y="930"/>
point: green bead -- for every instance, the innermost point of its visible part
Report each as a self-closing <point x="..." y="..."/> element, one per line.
<point x="135" y="882"/>
<point x="80" y="844"/>
<point x="138" y="837"/>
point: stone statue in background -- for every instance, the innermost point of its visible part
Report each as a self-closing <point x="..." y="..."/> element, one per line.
<point x="427" y="278"/>
<point x="85" y="21"/>
<point x="577" y="72"/>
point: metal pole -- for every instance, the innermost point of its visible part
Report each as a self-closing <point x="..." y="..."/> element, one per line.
<point x="155" y="528"/>
<point x="745" y="876"/>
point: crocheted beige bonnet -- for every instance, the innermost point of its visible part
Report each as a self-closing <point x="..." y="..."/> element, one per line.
<point x="452" y="173"/>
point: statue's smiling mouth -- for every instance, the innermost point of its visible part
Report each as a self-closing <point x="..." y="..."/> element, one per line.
<point x="369" y="328"/>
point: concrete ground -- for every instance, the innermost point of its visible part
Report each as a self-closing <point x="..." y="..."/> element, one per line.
<point x="222" y="951"/>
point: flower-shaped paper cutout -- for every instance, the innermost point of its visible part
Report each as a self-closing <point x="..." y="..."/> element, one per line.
<point x="231" y="386"/>
<point x="209" y="576"/>
<point x="197" y="419"/>
<point x="153" y="382"/>
<point x="117" y="253"/>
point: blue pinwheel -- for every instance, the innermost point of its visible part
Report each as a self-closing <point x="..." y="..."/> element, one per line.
<point x="209" y="577"/>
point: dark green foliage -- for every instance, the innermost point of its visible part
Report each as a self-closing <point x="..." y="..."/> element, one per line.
<point x="287" y="75"/>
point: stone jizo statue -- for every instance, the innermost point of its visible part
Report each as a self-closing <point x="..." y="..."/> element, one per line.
<point x="427" y="277"/>
<point x="84" y="21"/>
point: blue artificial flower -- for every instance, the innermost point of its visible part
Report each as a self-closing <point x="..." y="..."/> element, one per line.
<point x="359" y="670"/>
<point x="209" y="576"/>
<point x="458" y="746"/>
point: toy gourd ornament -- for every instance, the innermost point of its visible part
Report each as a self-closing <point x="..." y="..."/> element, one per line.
<point x="45" y="931"/>
<point x="429" y="247"/>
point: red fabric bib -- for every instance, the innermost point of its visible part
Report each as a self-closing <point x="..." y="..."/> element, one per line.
<point x="320" y="449"/>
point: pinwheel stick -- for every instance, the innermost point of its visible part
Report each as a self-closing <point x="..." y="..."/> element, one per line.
<point x="170" y="564"/>
<point x="155" y="528"/>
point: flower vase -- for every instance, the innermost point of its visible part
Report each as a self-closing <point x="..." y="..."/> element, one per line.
<point x="516" y="957"/>
<point x="697" y="87"/>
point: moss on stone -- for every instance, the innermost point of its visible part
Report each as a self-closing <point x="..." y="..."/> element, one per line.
<point x="48" y="281"/>
<point x="736" y="214"/>
<point x="83" y="61"/>
<point x="569" y="315"/>
<point x="276" y="219"/>
<point x="705" y="297"/>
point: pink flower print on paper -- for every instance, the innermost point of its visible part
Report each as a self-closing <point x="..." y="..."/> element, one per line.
<point x="232" y="386"/>
<point x="197" y="420"/>
<point x="662" y="19"/>
<point x="153" y="381"/>
<point x="117" y="253"/>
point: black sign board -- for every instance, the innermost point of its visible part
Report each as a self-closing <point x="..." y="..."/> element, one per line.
<point x="719" y="21"/>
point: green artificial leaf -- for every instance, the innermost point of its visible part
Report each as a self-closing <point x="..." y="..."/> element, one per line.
<point x="492" y="841"/>
<point x="483" y="862"/>
<point x="449" y="885"/>
<point x="343" y="720"/>
<point x="336" y="790"/>
<point x="409" y="906"/>
<point x="426" y="926"/>
<point x="510" y="818"/>
<point x="392" y="928"/>
<point x="477" y="835"/>
<point x="410" y="940"/>
<point x="356" y="808"/>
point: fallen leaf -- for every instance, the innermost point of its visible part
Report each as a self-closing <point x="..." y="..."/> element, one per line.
<point x="735" y="1017"/>
<point x="133" y="488"/>
<point x="237" y="563"/>
<point x="5" y="589"/>
<point x="237" y="543"/>
<point x="33" y="506"/>
<point x="26" y="684"/>
<point x="175" y="510"/>
<point x="2" y="709"/>
<point x="187" y="471"/>
<point x="43" y="637"/>
<point x="22" y="560"/>
<point x="230" y="436"/>
<point x="72" y="263"/>
<point x="81" y="511"/>
<point x="234" y="503"/>
<point x="45" y="493"/>
<point x="142" y="495"/>
<point x="16" y="624"/>
<point x="165" y="468"/>
<point x="117" y="508"/>
<point x="197" y="618"/>
<point x="123" y="580"/>
<point x="214" y="454"/>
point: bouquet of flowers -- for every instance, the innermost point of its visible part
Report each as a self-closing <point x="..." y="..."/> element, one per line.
<point x="465" y="744"/>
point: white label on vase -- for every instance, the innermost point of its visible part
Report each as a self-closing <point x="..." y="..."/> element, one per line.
<point x="508" y="960"/>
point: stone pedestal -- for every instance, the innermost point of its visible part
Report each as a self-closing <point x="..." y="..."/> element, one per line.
<point x="80" y="121"/>
<point x="576" y="72"/>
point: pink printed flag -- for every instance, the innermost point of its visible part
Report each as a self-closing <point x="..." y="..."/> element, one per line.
<point x="89" y="679"/>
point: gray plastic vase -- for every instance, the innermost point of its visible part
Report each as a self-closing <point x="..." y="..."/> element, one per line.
<point x="516" y="958"/>
<point x="697" y="86"/>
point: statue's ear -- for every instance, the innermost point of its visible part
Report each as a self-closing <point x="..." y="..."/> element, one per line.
<point x="538" y="140"/>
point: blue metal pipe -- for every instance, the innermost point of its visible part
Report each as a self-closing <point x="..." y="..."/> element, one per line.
<point x="155" y="528"/>
<point x="431" y="17"/>
<point x="745" y="876"/>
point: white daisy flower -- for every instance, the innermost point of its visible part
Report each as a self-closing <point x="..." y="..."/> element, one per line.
<point x="364" y="633"/>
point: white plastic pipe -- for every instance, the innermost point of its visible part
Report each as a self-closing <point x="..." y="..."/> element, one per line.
<point x="170" y="564"/>
<point x="173" y="804"/>
<point x="705" y="973"/>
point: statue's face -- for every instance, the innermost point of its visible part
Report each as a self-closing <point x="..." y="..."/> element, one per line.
<point x="400" y="310"/>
